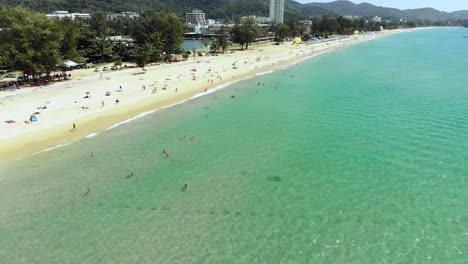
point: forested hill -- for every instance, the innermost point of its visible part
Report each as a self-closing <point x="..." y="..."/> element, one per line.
<point x="228" y="9"/>
<point x="347" y="8"/>
<point x="214" y="8"/>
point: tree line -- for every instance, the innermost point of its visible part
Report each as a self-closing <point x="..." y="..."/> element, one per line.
<point x="30" y="41"/>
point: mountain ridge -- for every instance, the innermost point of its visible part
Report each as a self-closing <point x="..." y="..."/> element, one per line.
<point x="348" y="8"/>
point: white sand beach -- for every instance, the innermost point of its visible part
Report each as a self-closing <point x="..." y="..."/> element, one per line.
<point x="83" y="101"/>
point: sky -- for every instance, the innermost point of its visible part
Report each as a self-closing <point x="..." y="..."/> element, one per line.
<point x="444" y="5"/>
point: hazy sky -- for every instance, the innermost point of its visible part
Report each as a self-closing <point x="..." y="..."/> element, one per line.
<point x="444" y="5"/>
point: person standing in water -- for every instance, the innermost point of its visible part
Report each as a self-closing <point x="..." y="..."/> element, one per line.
<point x="165" y="152"/>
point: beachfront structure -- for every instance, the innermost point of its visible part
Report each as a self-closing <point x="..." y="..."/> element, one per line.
<point x="124" y="40"/>
<point x="351" y="17"/>
<point x="263" y="20"/>
<point x="197" y="17"/>
<point x="123" y="15"/>
<point x="212" y="28"/>
<point x="277" y="11"/>
<point x="259" y="20"/>
<point x="63" y="14"/>
<point x="376" y="19"/>
<point x="307" y="24"/>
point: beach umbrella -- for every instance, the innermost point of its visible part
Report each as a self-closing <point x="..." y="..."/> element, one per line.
<point x="297" y="41"/>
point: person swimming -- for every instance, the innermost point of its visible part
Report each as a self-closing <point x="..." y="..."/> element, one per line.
<point x="88" y="190"/>
<point x="165" y="152"/>
<point x="185" y="186"/>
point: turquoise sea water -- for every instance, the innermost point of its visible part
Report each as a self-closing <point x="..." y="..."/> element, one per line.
<point x="191" y="44"/>
<point x="358" y="156"/>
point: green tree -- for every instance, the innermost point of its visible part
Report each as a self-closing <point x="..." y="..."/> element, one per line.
<point x="121" y="50"/>
<point x="164" y="31"/>
<point x="346" y="25"/>
<point x="71" y="34"/>
<point x="221" y="41"/>
<point x="140" y="56"/>
<point x="153" y="53"/>
<point x="330" y="24"/>
<point x="317" y="25"/>
<point x="30" y="40"/>
<point x="98" y="24"/>
<point x="103" y="49"/>
<point x="215" y="46"/>
<point x="281" y="31"/>
<point x="5" y="62"/>
<point x="85" y="41"/>
<point x="157" y="40"/>
<point x="245" y="33"/>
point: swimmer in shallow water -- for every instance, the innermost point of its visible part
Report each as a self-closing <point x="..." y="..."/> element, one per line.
<point x="165" y="152"/>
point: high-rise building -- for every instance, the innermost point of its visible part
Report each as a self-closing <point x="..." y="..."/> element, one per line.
<point x="197" y="17"/>
<point x="277" y="11"/>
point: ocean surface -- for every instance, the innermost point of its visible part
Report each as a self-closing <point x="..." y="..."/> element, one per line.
<point x="356" y="156"/>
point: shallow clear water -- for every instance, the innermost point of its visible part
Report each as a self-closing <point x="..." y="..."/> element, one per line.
<point x="193" y="44"/>
<point x="358" y="156"/>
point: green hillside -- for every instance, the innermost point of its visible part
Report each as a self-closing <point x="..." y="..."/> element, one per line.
<point x="228" y="9"/>
<point x="213" y="8"/>
<point x="347" y="8"/>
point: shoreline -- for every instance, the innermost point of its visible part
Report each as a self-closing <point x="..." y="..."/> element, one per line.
<point x="38" y="139"/>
